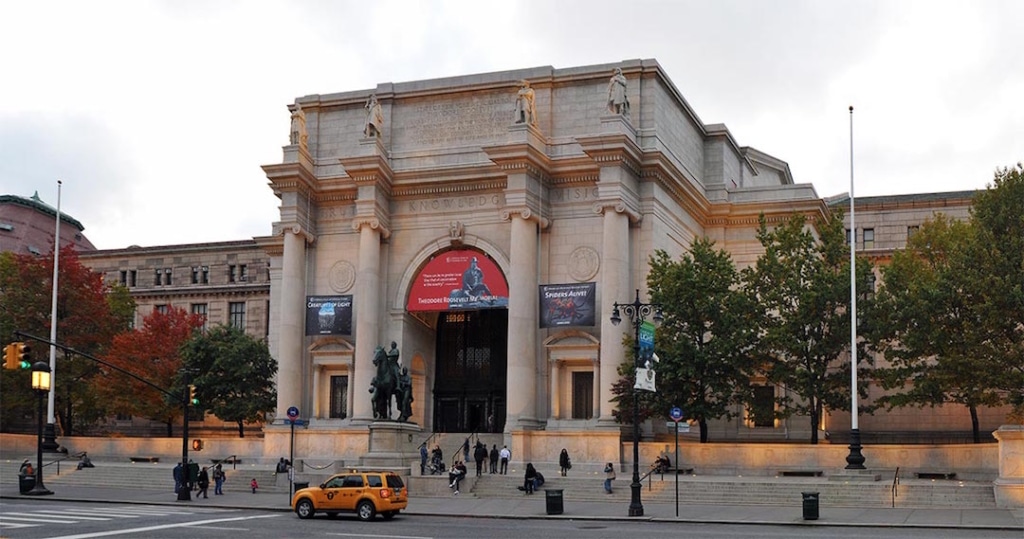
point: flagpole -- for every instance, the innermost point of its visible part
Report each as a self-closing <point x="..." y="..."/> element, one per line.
<point x="50" y="436"/>
<point x="855" y="460"/>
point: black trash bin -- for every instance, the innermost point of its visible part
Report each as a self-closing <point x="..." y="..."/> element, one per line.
<point x="810" y="505"/>
<point x="553" y="497"/>
<point x="26" y="483"/>
<point x="299" y="485"/>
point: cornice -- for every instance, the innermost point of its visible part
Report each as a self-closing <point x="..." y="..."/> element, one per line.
<point x="289" y="177"/>
<point x="610" y="149"/>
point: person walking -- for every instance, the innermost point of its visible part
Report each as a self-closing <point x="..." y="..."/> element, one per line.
<point x="218" y="480"/>
<point x="530" y="478"/>
<point x="505" y="454"/>
<point x="563" y="462"/>
<point x="176" y="473"/>
<point x="203" y="480"/>
<point x="609" y="476"/>
<point x="193" y="474"/>
<point x="494" y="459"/>
<point x="254" y="485"/>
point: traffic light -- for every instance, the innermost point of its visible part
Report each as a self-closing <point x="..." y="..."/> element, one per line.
<point x="16" y="356"/>
<point x="197" y="444"/>
<point x="192" y="399"/>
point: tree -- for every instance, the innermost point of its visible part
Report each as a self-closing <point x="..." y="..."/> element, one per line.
<point x="152" y="353"/>
<point x="704" y="342"/>
<point x="934" y="335"/>
<point x="89" y="314"/>
<point x="233" y="375"/>
<point x="802" y="284"/>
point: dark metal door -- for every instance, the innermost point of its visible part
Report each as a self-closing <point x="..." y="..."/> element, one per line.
<point x="471" y="370"/>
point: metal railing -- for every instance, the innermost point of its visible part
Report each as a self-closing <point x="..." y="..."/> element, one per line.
<point x="895" y="486"/>
<point x="233" y="459"/>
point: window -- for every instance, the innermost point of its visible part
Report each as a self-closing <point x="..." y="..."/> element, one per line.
<point x="872" y="281"/>
<point x="162" y="309"/>
<point x="353" y="481"/>
<point x="869" y="238"/>
<point x="124" y="277"/>
<point x="847" y="236"/>
<point x="243" y="275"/>
<point x="762" y="410"/>
<point x="205" y="276"/>
<point x="373" y="481"/>
<point x="195" y="275"/>
<point x="156" y="278"/>
<point x="236" y="314"/>
<point x="339" y="397"/>
<point x="582" y="395"/>
<point x="131" y="277"/>
<point x="231" y="273"/>
<point x="911" y="230"/>
<point x="167" y="275"/>
<point x="200" y="309"/>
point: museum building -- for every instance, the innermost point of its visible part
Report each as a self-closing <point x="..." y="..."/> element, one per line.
<point x="486" y="225"/>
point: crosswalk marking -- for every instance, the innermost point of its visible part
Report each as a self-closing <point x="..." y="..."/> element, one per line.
<point x="56" y="514"/>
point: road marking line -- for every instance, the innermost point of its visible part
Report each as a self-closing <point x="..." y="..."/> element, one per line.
<point x="71" y="514"/>
<point x="13" y="526"/>
<point x="199" y="523"/>
<point x="32" y="517"/>
<point x="383" y="536"/>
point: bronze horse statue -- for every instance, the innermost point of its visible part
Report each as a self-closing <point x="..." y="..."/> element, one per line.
<point x="384" y="385"/>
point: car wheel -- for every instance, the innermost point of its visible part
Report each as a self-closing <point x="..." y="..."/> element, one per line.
<point x="305" y="508"/>
<point x="388" y="515"/>
<point x="365" y="510"/>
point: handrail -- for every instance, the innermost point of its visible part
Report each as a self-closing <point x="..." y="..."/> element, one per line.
<point x="65" y="457"/>
<point x="232" y="458"/>
<point x="895" y="486"/>
<point x="647" y="476"/>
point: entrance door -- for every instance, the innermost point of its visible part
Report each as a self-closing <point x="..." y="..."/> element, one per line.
<point x="471" y="371"/>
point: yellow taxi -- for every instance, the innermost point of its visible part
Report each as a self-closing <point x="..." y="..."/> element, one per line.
<point x="362" y="492"/>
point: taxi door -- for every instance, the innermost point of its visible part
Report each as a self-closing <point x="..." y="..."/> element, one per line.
<point x="351" y="491"/>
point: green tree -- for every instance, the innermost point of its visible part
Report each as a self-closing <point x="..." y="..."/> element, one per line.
<point x="89" y="314"/>
<point x="151" y="353"/>
<point x="705" y="340"/>
<point x="998" y="216"/>
<point x="802" y="285"/>
<point x="233" y="374"/>
<point x="934" y="334"/>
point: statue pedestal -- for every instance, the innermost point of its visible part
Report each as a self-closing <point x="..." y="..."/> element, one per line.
<point x="393" y="445"/>
<point x="1009" y="487"/>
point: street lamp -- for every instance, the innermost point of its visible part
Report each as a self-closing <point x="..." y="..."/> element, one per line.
<point x="41" y="385"/>
<point x="637" y="313"/>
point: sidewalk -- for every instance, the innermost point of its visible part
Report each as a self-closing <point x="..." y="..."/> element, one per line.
<point x="534" y="507"/>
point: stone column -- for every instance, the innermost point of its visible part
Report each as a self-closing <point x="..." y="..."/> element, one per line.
<point x="367" y="317"/>
<point x="614" y="287"/>
<point x="315" y="393"/>
<point x="521" y="394"/>
<point x="556" y="399"/>
<point x="293" y="303"/>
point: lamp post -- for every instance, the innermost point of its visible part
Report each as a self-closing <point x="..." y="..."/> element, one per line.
<point x="637" y="313"/>
<point x="41" y="385"/>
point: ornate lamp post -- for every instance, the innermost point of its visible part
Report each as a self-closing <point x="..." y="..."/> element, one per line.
<point x="41" y="385"/>
<point x="637" y="313"/>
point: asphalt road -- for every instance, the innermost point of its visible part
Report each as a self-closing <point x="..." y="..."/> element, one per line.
<point x="33" y="519"/>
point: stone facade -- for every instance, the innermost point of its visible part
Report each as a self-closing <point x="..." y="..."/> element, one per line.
<point x="582" y="196"/>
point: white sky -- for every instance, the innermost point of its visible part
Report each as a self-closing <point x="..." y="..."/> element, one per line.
<point x="158" y="115"/>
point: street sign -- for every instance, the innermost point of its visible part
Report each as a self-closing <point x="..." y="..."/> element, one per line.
<point x="676" y="413"/>
<point x="293" y="412"/>
<point x="683" y="427"/>
<point x="297" y="422"/>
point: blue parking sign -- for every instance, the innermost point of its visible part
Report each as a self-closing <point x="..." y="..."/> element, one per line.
<point x="676" y="414"/>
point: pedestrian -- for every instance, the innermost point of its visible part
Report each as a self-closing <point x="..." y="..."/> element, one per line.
<point x="530" y="478"/>
<point x="465" y="450"/>
<point x="504" y="454"/>
<point x="85" y="461"/>
<point x="494" y="459"/>
<point x="218" y="480"/>
<point x="176" y="473"/>
<point x="282" y="466"/>
<point x="203" y="480"/>
<point x="480" y="455"/>
<point x="193" y="475"/>
<point x="609" y="476"/>
<point x="423" y="458"/>
<point x="254" y="485"/>
<point x="563" y="462"/>
<point x="456" y="476"/>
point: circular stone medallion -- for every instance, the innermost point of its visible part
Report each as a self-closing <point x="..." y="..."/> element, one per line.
<point x="584" y="263"/>
<point x="342" y="276"/>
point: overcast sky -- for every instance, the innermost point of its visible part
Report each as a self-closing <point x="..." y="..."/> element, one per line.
<point x="158" y="115"/>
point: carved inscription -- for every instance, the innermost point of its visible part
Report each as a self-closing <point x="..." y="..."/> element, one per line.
<point x="472" y="202"/>
<point x="484" y="116"/>
<point x="573" y="194"/>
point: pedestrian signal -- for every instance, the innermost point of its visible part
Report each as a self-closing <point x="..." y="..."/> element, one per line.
<point x="197" y="444"/>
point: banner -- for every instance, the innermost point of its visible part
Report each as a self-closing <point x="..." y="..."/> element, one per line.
<point x="567" y="304"/>
<point x="329" y="315"/>
<point x="645" y="380"/>
<point x="456" y="280"/>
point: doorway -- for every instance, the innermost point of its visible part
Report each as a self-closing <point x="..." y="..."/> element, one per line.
<point x="469" y="386"/>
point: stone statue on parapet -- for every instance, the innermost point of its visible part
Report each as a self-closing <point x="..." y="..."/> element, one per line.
<point x="618" y="102"/>
<point x="374" y="117"/>
<point x="525" y="108"/>
<point x="298" y="134"/>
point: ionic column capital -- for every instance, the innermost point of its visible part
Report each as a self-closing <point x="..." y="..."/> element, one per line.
<point x="618" y="206"/>
<point x="525" y="214"/>
<point x="359" y="222"/>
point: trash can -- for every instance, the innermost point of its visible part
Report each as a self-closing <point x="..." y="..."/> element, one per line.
<point x="299" y="485"/>
<point x="553" y="497"/>
<point x="26" y="483"/>
<point x="810" y="505"/>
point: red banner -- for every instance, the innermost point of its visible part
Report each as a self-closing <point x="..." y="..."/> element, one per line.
<point x="459" y="280"/>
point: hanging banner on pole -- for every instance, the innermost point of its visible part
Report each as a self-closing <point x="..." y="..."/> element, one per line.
<point x="645" y="380"/>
